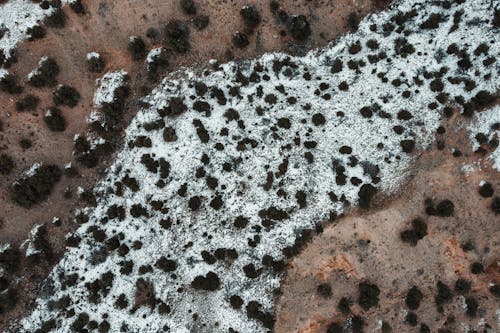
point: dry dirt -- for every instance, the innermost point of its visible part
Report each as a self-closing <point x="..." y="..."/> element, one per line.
<point x="367" y="246"/>
<point x="106" y="28"/>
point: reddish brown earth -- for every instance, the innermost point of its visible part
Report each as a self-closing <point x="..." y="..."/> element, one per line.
<point x="367" y="246"/>
<point x="106" y="28"/>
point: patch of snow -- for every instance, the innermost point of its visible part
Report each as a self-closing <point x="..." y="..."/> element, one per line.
<point x="4" y="247"/>
<point x="37" y="71"/>
<point x="488" y="123"/>
<point x="93" y="55"/>
<point x="266" y="153"/>
<point x="153" y="55"/>
<point x="17" y="16"/>
<point x="3" y="73"/>
<point x="107" y="86"/>
<point x="29" y="245"/>
<point x="467" y="169"/>
<point x="32" y="170"/>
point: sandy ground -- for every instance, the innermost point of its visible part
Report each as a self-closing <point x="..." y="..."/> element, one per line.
<point x="366" y="246"/>
<point x="106" y="28"/>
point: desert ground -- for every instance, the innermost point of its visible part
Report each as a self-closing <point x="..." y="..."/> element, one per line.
<point x="358" y="248"/>
<point x="106" y="28"/>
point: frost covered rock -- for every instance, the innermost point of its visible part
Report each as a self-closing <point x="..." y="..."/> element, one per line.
<point x="95" y="62"/>
<point x="109" y="98"/>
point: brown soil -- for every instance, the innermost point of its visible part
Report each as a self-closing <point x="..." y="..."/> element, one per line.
<point x="106" y="28"/>
<point x="367" y="246"/>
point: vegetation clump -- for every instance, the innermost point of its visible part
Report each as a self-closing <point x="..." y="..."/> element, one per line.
<point x="54" y="120"/>
<point x="27" y="103"/>
<point x="66" y="95"/>
<point x="6" y="164"/>
<point x="251" y="16"/>
<point x="189" y="7"/>
<point x="299" y="27"/>
<point x="137" y="48"/>
<point x="95" y="62"/>
<point x="177" y="34"/>
<point x="45" y="74"/>
<point x="35" y="186"/>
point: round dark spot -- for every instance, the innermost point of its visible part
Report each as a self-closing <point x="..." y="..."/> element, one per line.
<point x="194" y="203"/>
<point x="445" y="208"/>
<point x="66" y="95"/>
<point x="166" y="265"/>
<point x="188" y="6"/>
<point x="240" y="39"/>
<point x="27" y="103"/>
<point x="54" y="120"/>
<point x="318" y="119"/>
<point x="35" y="187"/>
<point x="299" y="27"/>
<point x="407" y="145"/>
<point x="284" y="123"/>
<point x="345" y="150"/>
<point x="240" y="222"/>
<point x="365" y="194"/>
<point x="236" y="302"/>
<point x="6" y="164"/>
<point x="476" y="268"/>
<point x="411" y="319"/>
<point x="201" y="22"/>
<point x="137" y="48"/>
<point x="169" y="134"/>
<point x="251" y="16"/>
<point x="462" y="286"/>
<point x="366" y="112"/>
<point x="413" y="298"/>
<point x="486" y="190"/>
<point x="324" y="290"/>
<point x="209" y="282"/>
<point x="368" y="295"/>
<point x="177" y="34"/>
<point x="404" y="115"/>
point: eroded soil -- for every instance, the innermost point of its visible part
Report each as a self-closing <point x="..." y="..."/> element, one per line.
<point x="367" y="248"/>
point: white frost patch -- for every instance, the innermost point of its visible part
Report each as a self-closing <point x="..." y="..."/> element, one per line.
<point x="265" y="154"/>
<point x="17" y="16"/>
<point x="37" y="70"/>
<point x="106" y="94"/>
<point x="93" y="55"/>
<point x="29" y="245"/>
<point x="3" y="73"/>
<point x="32" y="170"/>
<point x="487" y="123"/>
<point x="4" y="247"/>
<point x="49" y="113"/>
<point x="107" y="86"/>
<point x="154" y="54"/>
<point x="467" y="169"/>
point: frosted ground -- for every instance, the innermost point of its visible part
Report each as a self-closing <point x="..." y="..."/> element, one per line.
<point x="16" y="18"/>
<point x="222" y="172"/>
